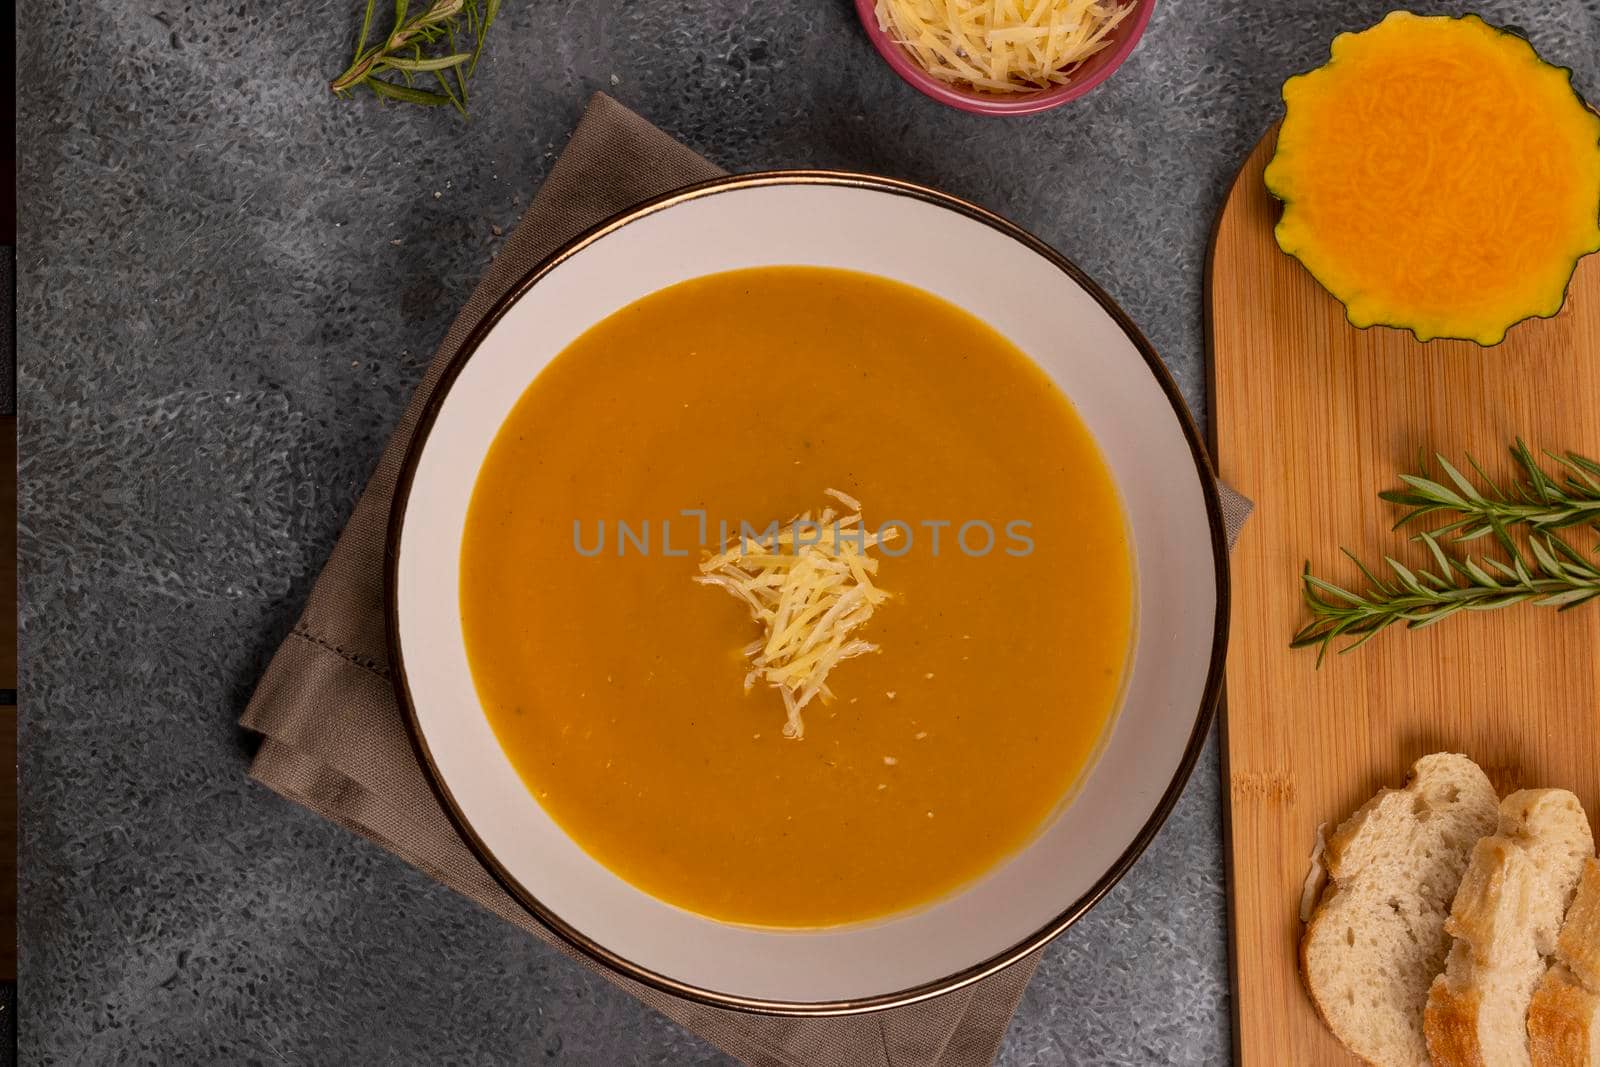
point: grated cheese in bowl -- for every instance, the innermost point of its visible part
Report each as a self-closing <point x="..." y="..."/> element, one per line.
<point x="809" y="598"/>
<point x="1001" y="46"/>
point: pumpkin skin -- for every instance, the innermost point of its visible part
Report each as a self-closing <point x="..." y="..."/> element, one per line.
<point x="1438" y="176"/>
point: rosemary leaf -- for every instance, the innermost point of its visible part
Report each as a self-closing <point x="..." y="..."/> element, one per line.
<point x="479" y="24"/>
<point x="407" y="94"/>
<point x="366" y="26"/>
<point x="439" y="63"/>
<point x="1461" y="482"/>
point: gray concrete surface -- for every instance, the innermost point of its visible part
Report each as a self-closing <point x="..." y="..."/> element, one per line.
<point x="228" y="284"/>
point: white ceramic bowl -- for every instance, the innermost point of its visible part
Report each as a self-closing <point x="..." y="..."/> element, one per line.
<point x="1051" y="311"/>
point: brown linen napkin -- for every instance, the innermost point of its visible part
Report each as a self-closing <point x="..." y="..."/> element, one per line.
<point x="1236" y="508"/>
<point x="335" y="741"/>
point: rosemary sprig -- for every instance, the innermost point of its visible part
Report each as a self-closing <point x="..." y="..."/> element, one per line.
<point x="1569" y="498"/>
<point x="428" y="43"/>
<point x="1561" y="577"/>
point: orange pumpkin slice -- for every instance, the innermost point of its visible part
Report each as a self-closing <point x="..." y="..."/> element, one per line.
<point x="1438" y="176"/>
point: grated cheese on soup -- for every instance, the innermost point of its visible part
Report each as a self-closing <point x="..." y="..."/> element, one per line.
<point x="810" y="598"/>
<point x="1002" y="46"/>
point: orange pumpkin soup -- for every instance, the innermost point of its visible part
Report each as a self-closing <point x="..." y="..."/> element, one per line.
<point x="615" y="682"/>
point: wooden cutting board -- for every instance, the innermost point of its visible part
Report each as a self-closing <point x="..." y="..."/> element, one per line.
<point x="1311" y="417"/>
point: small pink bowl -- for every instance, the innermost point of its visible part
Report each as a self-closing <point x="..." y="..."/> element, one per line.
<point x="1091" y="74"/>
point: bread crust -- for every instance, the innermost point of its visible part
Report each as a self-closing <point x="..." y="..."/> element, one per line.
<point x="1450" y="1026"/>
<point x="1578" y="945"/>
<point x="1561" y="1022"/>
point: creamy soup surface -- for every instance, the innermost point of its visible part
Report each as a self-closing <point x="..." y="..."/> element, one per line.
<point x="614" y="682"/>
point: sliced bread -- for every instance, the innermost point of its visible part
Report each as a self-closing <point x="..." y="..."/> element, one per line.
<point x="1564" y="1018"/>
<point x="1505" y="920"/>
<point x="1376" y="939"/>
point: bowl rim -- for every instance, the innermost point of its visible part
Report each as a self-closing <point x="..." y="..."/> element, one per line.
<point x="977" y="104"/>
<point x="591" y="949"/>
